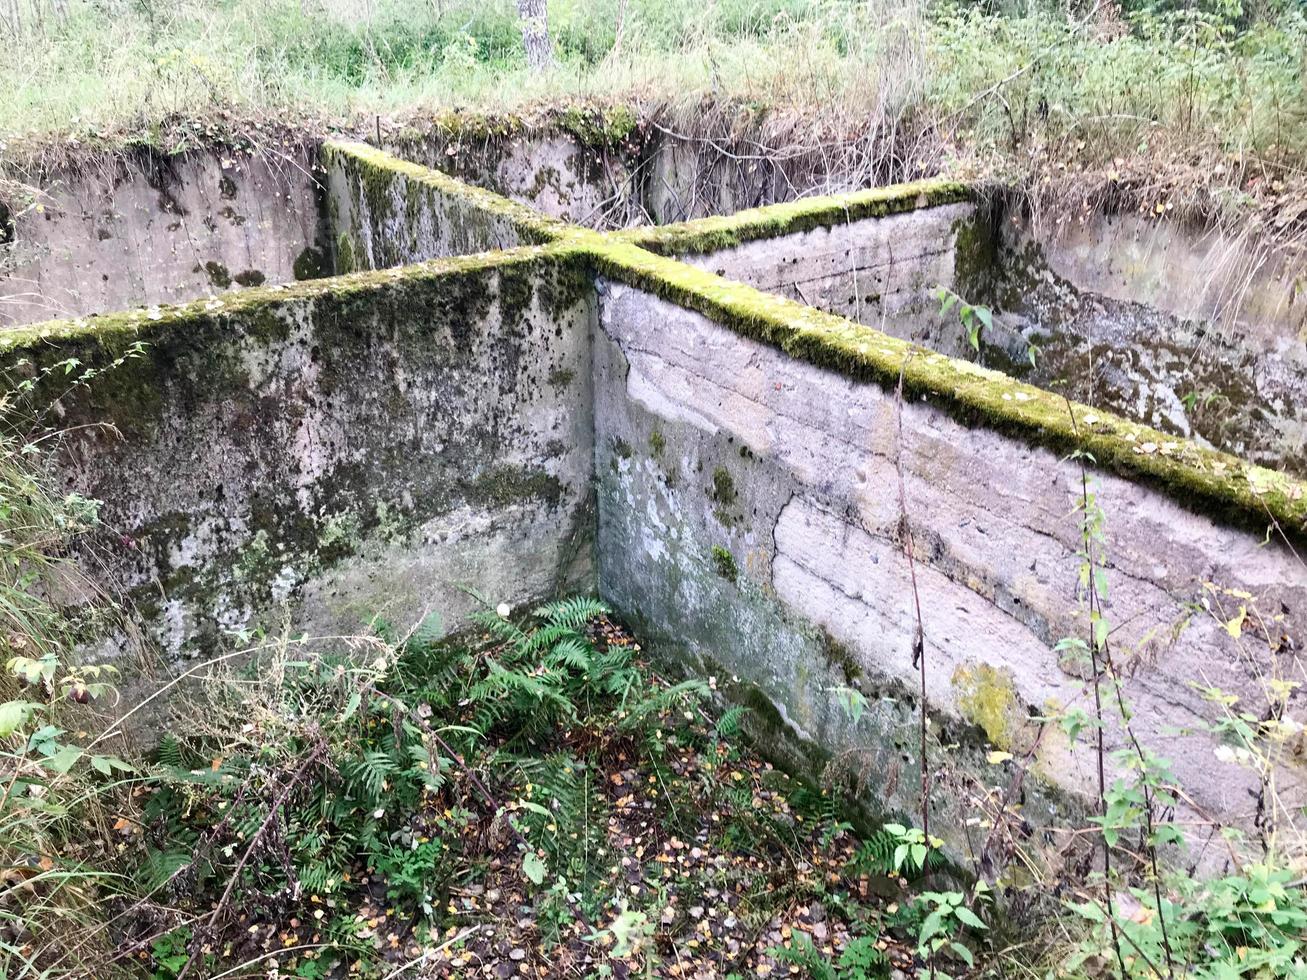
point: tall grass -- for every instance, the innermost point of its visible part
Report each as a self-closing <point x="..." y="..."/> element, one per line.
<point x="983" y="79"/>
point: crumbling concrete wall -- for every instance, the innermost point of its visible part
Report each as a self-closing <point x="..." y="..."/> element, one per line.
<point x="749" y="520"/>
<point x="1199" y="333"/>
<point x="365" y="445"/>
<point x="359" y="446"/>
<point x="387" y="212"/>
<point x="144" y="228"/>
<point x="573" y="167"/>
<point x="1199" y="337"/>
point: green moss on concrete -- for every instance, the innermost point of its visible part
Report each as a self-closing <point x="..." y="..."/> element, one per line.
<point x="346" y="257"/>
<point x="840" y="657"/>
<point x="379" y="171"/>
<point x="311" y="263"/>
<point x="218" y="275"/>
<point x="987" y="697"/>
<point x="975" y="254"/>
<point x="724" y="562"/>
<point x="600" y="127"/>
<point x="561" y="377"/>
<point x="516" y="290"/>
<point x="503" y="486"/>
<point x="723" y="487"/>
<point x="713" y="234"/>
<point x="1199" y="478"/>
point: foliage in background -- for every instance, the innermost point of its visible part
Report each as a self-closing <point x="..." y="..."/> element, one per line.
<point x="999" y="86"/>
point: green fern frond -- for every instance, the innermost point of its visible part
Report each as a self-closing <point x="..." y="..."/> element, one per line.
<point x="369" y="773"/>
<point x="662" y="700"/>
<point x="728" y="725"/>
<point x="428" y="633"/>
<point x="572" y="653"/>
<point x="573" y="612"/>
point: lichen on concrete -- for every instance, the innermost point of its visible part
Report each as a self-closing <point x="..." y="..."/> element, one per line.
<point x="282" y="439"/>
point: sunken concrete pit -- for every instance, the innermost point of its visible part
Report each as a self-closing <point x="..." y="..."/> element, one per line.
<point x="500" y="401"/>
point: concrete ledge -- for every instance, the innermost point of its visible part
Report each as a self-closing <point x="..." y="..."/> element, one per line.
<point x="725" y="231"/>
<point x="148" y="323"/>
<point x="1199" y="478"/>
<point x="385" y="211"/>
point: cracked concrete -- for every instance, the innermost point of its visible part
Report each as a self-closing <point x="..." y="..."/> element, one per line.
<point x="512" y="423"/>
<point x="814" y="527"/>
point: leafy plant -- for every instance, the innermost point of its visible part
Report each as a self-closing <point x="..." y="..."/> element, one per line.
<point x="397" y="759"/>
<point x="974" y="318"/>
<point x="60" y="781"/>
<point x="861" y="959"/>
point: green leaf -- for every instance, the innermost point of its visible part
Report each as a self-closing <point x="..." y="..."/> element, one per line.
<point x="64" y="758"/>
<point x="933" y="925"/>
<point x="1087" y="910"/>
<point x="533" y="866"/>
<point x="963" y="953"/>
<point x="919" y="855"/>
<point x="13" y="715"/>
<point x="968" y="917"/>
<point x="352" y="705"/>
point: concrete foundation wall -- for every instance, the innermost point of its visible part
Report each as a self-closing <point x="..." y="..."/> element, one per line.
<point x="882" y="271"/>
<point x="548" y="169"/>
<point x="387" y="212"/>
<point x="1197" y="337"/>
<point x="1199" y="334"/>
<point x="147" y="229"/>
<point x="749" y="520"/>
<point x="360" y="446"/>
<point x="368" y="444"/>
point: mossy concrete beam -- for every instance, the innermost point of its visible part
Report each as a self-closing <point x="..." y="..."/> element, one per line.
<point x="399" y="195"/>
<point x="1199" y="478"/>
<point x="712" y="234"/>
<point x="112" y="330"/>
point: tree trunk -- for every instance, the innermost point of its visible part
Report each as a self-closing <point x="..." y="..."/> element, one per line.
<point x="535" y="33"/>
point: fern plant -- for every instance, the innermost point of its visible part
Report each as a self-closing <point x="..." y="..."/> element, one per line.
<point x="402" y="766"/>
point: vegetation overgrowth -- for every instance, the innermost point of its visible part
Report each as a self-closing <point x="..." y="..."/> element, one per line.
<point x="1193" y="104"/>
<point x="530" y="796"/>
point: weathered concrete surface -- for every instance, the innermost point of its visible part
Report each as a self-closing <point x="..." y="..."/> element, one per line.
<point x="883" y="272"/>
<point x="1198" y="335"/>
<point x="364" y="446"/>
<point x="387" y="212"/>
<point x="147" y="228"/>
<point x="548" y="169"/>
<point x="1192" y="274"/>
<point x="709" y="445"/>
<point x="609" y="170"/>
<point x="1196" y="338"/>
